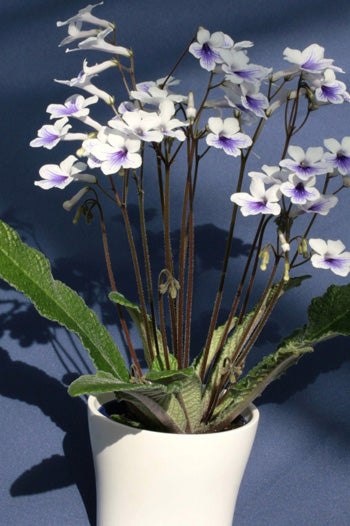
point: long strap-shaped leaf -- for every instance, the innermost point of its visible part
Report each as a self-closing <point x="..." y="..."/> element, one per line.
<point x="28" y="270"/>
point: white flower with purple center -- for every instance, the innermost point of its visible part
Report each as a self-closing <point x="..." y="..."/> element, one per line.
<point x="118" y="152"/>
<point x="338" y="156"/>
<point x="254" y="101"/>
<point x="74" y="106"/>
<point x="84" y="15"/>
<point x="208" y="46"/>
<point x="237" y="68"/>
<point x="69" y="170"/>
<point x="138" y="124"/>
<point x="259" y="201"/>
<point x="321" y="206"/>
<point x="226" y="135"/>
<point x="300" y="191"/>
<point x="330" y="255"/>
<point x="311" y="59"/>
<point x="51" y="134"/>
<point x="305" y="164"/>
<point x="330" y="90"/>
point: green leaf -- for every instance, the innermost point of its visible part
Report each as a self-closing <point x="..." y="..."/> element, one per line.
<point x="28" y="270"/>
<point x="214" y="344"/>
<point x="149" y="409"/>
<point x="328" y="316"/>
<point x="167" y="377"/>
<point x="136" y="315"/>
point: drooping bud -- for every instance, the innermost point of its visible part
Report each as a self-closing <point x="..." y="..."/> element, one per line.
<point x="170" y="285"/>
<point x="265" y="258"/>
<point x="286" y="270"/>
<point x="68" y="205"/>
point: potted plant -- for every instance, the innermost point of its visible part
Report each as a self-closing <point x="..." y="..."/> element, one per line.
<point x="181" y="403"/>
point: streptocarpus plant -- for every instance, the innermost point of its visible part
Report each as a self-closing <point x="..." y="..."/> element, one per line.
<point x="179" y="392"/>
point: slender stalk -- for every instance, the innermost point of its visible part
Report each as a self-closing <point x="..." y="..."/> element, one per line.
<point x="136" y="268"/>
<point x="114" y="288"/>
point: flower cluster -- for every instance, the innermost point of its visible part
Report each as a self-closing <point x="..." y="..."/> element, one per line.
<point x="153" y="114"/>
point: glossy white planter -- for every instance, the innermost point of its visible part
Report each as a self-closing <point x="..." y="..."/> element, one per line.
<point x="146" y="478"/>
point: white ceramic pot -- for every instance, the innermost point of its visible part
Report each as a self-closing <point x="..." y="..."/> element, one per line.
<point x="147" y="478"/>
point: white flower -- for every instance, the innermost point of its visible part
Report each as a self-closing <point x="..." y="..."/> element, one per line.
<point x="138" y="124"/>
<point x="259" y="201"/>
<point x="339" y="156"/>
<point x="98" y="43"/>
<point x="237" y="69"/>
<point x="321" y="206"/>
<point x="74" y="33"/>
<point x="74" y="106"/>
<point x="84" y="15"/>
<point x="227" y="136"/>
<point x="51" y="134"/>
<point x="311" y="59"/>
<point x="69" y="170"/>
<point x="118" y="152"/>
<point x="330" y="255"/>
<point x="154" y="95"/>
<point x="300" y="191"/>
<point x="83" y="81"/>
<point x="166" y="124"/>
<point x="329" y="89"/>
<point x="305" y="164"/>
<point x="270" y="175"/>
<point x="208" y="47"/>
<point x="254" y="101"/>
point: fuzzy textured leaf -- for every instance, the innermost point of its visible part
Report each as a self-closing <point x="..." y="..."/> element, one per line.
<point x="28" y="270"/>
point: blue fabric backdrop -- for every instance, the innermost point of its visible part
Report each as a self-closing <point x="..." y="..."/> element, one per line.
<point x="298" y="473"/>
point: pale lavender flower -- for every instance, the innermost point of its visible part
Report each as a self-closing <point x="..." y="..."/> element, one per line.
<point x="225" y="134"/>
<point x="84" y="15"/>
<point x="338" y="156"/>
<point x="92" y="71"/>
<point x="75" y="33"/>
<point x="69" y="170"/>
<point x="300" y="191"/>
<point x="88" y="147"/>
<point x="208" y="46"/>
<point x="330" y="255"/>
<point x="330" y="90"/>
<point x="51" y="134"/>
<point x="98" y="43"/>
<point x="259" y="201"/>
<point x="118" y="152"/>
<point x="311" y="59"/>
<point x="305" y="164"/>
<point x="74" y="106"/>
<point x="138" y="124"/>
<point x="321" y="206"/>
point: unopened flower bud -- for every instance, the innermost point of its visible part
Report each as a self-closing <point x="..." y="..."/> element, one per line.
<point x="286" y="270"/>
<point x="304" y="247"/>
<point x="265" y="258"/>
<point x="284" y="245"/>
<point x="191" y="111"/>
<point x="68" y="205"/>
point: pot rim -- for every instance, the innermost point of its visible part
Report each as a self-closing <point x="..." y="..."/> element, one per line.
<point x="251" y="413"/>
